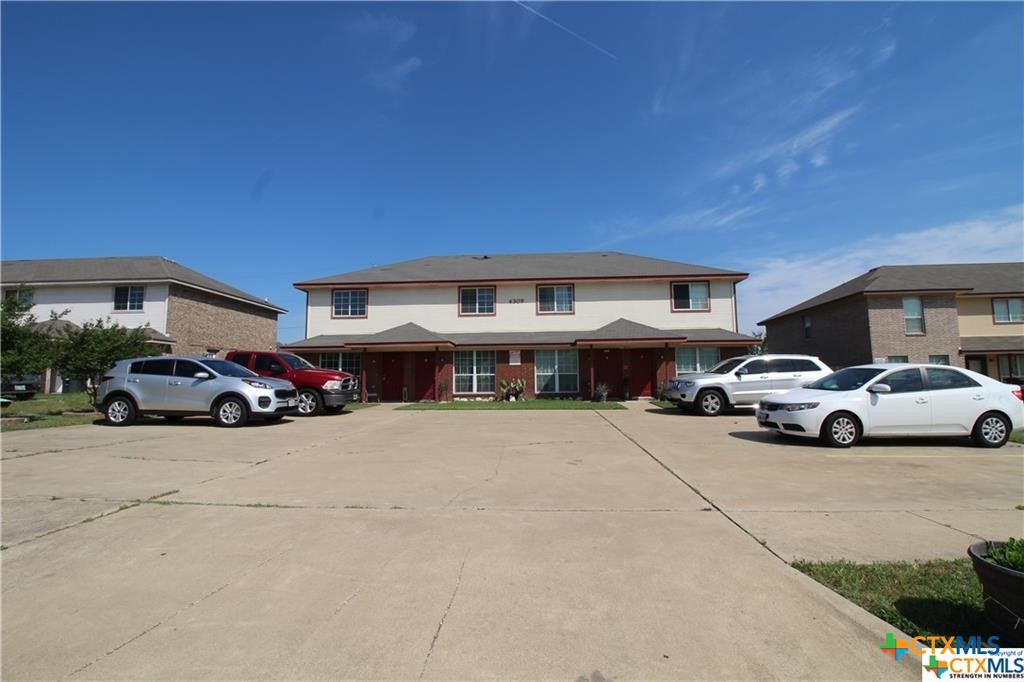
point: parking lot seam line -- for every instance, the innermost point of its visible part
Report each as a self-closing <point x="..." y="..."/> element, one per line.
<point x="696" y="492"/>
<point x="184" y="608"/>
<point x="437" y="633"/>
<point x="81" y="447"/>
<point x="946" y="525"/>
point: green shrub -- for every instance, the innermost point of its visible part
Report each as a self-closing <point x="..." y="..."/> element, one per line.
<point x="1009" y="555"/>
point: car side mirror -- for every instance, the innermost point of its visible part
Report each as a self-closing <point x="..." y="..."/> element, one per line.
<point x="201" y="375"/>
<point x="276" y="369"/>
<point x="742" y="371"/>
<point x="879" y="388"/>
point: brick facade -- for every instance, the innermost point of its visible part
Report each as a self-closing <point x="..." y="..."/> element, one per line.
<point x="199" y="321"/>
<point x="888" y="331"/>
<point x="839" y="333"/>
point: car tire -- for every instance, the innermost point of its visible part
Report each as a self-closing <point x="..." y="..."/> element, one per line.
<point x="119" y="411"/>
<point x="840" y="430"/>
<point x="709" y="403"/>
<point x="310" y="403"/>
<point x="231" y="412"/>
<point x="992" y="430"/>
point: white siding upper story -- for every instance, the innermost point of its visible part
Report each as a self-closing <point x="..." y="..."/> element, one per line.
<point x="88" y="303"/>
<point x="596" y="304"/>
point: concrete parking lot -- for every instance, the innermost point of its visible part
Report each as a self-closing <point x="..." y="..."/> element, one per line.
<point x="442" y="545"/>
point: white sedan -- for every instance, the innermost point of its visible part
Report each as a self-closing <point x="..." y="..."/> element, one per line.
<point x="897" y="400"/>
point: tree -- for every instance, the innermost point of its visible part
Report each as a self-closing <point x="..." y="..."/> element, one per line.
<point x="757" y="348"/>
<point x="86" y="353"/>
<point x="26" y="350"/>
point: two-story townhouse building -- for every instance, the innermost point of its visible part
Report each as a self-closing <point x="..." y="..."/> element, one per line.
<point x="970" y="315"/>
<point x="454" y="327"/>
<point x="186" y="312"/>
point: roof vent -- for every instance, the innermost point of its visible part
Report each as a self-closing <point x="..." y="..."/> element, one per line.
<point x="481" y="257"/>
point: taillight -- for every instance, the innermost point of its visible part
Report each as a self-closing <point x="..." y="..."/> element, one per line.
<point x="1019" y="392"/>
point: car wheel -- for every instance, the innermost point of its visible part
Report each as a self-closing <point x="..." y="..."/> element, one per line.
<point x="710" y="403"/>
<point x="173" y="418"/>
<point x="992" y="430"/>
<point x="840" y="430"/>
<point x="231" y="412"/>
<point x="119" y="411"/>
<point x="310" y="403"/>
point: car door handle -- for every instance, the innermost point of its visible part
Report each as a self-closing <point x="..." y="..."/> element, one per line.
<point x="174" y="383"/>
<point x="763" y="376"/>
<point x="921" y="401"/>
<point x="135" y="381"/>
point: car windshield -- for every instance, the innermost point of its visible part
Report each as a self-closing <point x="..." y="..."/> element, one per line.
<point x="726" y="366"/>
<point x="295" y="362"/>
<point x="849" y="379"/>
<point x="228" y="369"/>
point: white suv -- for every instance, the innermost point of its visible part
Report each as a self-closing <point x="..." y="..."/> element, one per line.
<point x="743" y="381"/>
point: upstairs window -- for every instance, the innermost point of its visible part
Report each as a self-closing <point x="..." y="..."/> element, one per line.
<point x="1008" y="310"/>
<point x="349" y="303"/>
<point x="22" y="295"/>
<point x="128" y="298"/>
<point x="807" y="326"/>
<point x="913" y="314"/>
<point x="557" y="298"/>
<point x="476" y="301"/>
<point x="687" y="296"/>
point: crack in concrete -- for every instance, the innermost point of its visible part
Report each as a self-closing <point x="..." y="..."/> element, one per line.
<point x="497" y="468"/>
<point x="181" y="610"/>
<point x="693" y="488"/>
<point x="437" y="633"/>
<point x="82" y="447"/>
<point x="946" y="525"/>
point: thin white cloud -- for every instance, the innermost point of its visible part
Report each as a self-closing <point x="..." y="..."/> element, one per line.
<point x="786" y="170"/>
<point x="378" y="41"/>
<point x="393" y="78"/>
<point x="777" y="283"/>
<point x="819" y="159"/>
<point x="723" y="216"/>
<point x="758" y="183"/>
<point x="568" y="30"/>
<point x="817" y="134"/>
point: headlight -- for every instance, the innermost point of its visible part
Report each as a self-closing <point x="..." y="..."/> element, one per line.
<point x="332" y="385"/>
<point x="687" y="384"/>
<point x="796" y="407"/>
<point x="257" y="384"/>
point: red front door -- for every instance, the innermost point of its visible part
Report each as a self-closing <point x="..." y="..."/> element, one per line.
<point x="392" y="372"/>
<point x="641" y="372"/>
<point x="608" y="370"/>
<point x="424" y="371"/>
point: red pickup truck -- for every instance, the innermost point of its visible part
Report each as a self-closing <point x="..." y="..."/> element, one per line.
<point x="319" y="389"/>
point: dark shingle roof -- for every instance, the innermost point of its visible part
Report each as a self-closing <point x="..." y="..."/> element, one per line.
<point x="621" y="329"/>
<point x="119" y="269"/>
<point x="992" y="344"/>
<point x="974" y="278"/>
<point x="531" y="266"/>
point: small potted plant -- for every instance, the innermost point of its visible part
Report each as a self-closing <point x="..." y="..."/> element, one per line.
<point x="601" y="392"/>
<point x="511" y="389"/>
<point x="1000" y="570"/>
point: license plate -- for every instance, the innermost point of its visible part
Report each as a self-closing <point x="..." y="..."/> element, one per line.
<point x="19" y="387"/>
<point x="292" y="403"/>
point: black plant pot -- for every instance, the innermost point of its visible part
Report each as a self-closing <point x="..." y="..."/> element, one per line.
<point x="1003" y="590"/>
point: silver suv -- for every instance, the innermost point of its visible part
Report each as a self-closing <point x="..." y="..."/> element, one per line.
<point x="176" y="387"/>
<point x="743" y="381"/>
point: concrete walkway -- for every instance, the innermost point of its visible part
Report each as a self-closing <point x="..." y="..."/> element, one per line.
<point x="449" y="545"/>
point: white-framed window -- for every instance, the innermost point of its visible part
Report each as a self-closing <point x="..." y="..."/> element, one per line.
<point x="938" y="359"/>
<point x="476" y="300"/>
<point x="349" y="302"/>
<point x="129" y="298"/>
<point x="347" y="362"/>
<point x="474" y="371"/>
<point x="557" y="371"/>
<point x="555" y="298"/>
<point x="24" y="296"/>
<point x="690" y="359"/>
<point x="913" y="315"/>
<point x="688" y="296"/>
<point x="1008" y="310"/>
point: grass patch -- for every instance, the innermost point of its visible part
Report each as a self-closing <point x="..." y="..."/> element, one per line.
<point x="352" y="407"/>
<point x="929" y="598"/>
<point x="664" y="404"/>
<point x="1017" y="437"/>
<point x="540" y="404"/>
<point x="44" y="411"/>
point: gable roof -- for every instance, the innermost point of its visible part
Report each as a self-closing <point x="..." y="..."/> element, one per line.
<point x="972" y="278"/>
<point x="119" y="269"/>
<point x="522" y="267"/>
<point x="628" y="329"/>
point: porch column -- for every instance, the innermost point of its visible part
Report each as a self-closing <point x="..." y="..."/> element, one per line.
<point x="362" y="375"/>
<point x="593" y="389"/>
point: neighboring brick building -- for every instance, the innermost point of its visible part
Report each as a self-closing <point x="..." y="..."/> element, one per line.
<point x="454" y="327"/>
<point x="186" y="312"/>
<point x="970" y="315"/>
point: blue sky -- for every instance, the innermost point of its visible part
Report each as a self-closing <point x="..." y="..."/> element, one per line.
<point x="268" y="143"/>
